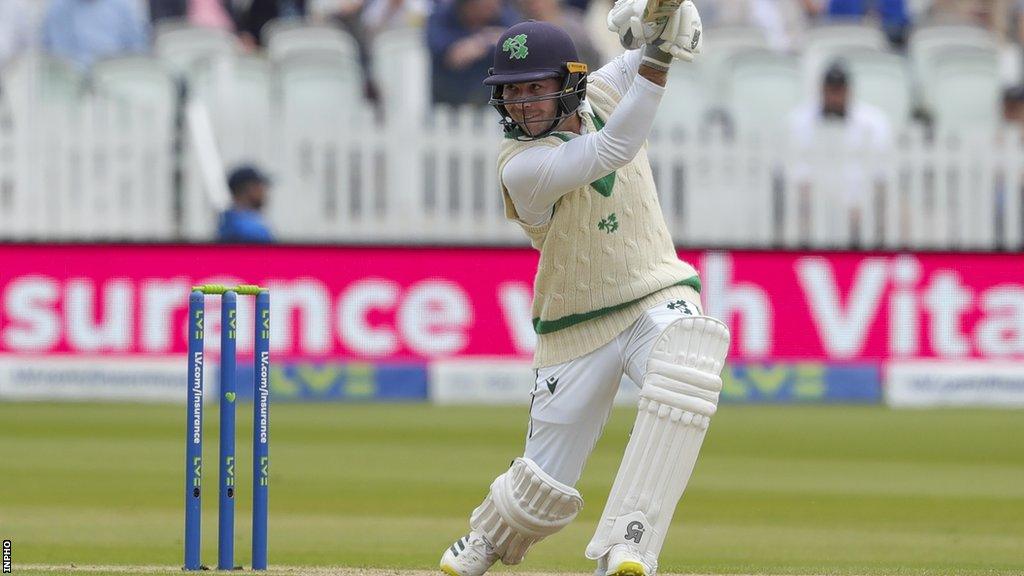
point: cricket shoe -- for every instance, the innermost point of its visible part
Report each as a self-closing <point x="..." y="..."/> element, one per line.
<point x="470" y="555"/>
<point x="624" y="560"/>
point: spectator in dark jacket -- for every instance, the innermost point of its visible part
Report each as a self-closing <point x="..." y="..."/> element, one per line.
<point x="461" y="38"/>
<point x="243" y="222"/>
<point x="250" y="22"/>
<point x="892" y="13"/>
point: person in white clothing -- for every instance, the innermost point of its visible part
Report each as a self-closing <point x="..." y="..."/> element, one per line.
<point x="839" y="145"/>
<point x="610" y="297"/>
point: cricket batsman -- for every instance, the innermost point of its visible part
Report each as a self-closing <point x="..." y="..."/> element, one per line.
<point x="610" y="296"/>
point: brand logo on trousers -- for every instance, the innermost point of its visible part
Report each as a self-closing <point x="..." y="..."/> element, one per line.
<point x="635" y="531"/>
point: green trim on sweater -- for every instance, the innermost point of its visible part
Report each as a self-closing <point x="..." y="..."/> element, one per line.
<point x="549" y="326"/>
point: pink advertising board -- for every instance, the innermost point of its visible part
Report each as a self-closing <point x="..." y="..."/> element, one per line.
<point x="430" y="303"/>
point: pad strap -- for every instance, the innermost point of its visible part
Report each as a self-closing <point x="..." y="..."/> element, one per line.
<point x="524" y="506"/>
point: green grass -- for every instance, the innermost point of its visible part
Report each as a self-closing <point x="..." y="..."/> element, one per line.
<point x="778" y="490"/>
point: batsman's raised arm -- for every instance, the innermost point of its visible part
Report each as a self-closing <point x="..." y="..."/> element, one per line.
<point x="537" y="177"/>
<point x="542" y="98"/>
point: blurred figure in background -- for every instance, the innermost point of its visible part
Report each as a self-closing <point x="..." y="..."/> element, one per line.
<point x="893" y="14"/>
<point x="1013" y="107"/>
<point x="1013" y="116"/>
<point x="84" y="31"/>
<point x="782" y="21"/>
<point x="346" y="14"/>
<point x="205" y="13"/>
<point x="461" y="37"/>
<point x="250" y="20"/>
<point x="1017" y="22"/>
<point x="17" y="29"/>
<point x="243" y="222"/>
<point x="567" y="18"/>
<point x="991" y="14"/>
<point x="838" y="143"/>
<point x="381" y="15"/>
<point x="167" y="10"/>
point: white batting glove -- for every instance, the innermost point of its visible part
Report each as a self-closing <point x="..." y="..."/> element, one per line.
<point x="654" y="22"/>
<point x="626" y="19"/>
<point x="683" y="34"/>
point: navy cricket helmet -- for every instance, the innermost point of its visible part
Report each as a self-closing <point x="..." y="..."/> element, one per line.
<point x="531" y="51"/>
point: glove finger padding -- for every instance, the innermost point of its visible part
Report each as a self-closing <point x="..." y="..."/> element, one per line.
<point x="683" y="36"/>
<point x="625" y="20"/>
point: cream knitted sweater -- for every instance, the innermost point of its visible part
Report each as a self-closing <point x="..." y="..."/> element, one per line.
<point x="606" y="253"/>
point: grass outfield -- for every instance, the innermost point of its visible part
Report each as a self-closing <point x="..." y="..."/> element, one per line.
<point x="778" y="490"/>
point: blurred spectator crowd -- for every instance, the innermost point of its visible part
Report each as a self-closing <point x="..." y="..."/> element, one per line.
<point x="460" y="34"/>
<point x="849" y="83"/>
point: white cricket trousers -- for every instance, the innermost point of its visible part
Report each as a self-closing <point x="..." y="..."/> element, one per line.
<point x="571" y="402"/>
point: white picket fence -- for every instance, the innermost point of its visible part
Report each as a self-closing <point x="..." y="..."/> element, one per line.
<point x="100" y="171"/>
<point x="104" y="170"/>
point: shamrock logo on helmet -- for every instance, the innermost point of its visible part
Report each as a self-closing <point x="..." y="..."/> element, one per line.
<point x="516" y="47"/>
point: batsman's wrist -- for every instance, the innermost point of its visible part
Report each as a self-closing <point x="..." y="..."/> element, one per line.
<point x="656" y="58"/>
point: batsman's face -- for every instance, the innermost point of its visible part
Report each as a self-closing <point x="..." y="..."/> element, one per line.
<point x="533" y="117"/>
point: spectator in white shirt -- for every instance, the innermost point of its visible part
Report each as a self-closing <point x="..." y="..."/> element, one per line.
<point x="839" y="144"/>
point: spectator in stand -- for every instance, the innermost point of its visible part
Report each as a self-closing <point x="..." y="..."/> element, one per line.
<point x="1013" y="116"/>
<point x="893" y="14"/>
<point x="461" y="37"/>
<point x="991" y="14"/>
<point x="783" y="21"/>
<point x="1017" y="22"/>
<point x="205" y="13"/>
<point x="17" y="29"/>
<point x="251" y="20"/>
<point x="569" y="19"/>
<point x="345" y="14"/>
<point x="243" y="222"/>
<point x="1013" y="107"/>
<point x="838" y="143"/>
<point x="84" y="31"/>
<point x="380" y="15"/>
<point x="167" y="10"/>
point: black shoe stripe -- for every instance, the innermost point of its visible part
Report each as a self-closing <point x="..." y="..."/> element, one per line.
<point x="462" y="543"/>
<point x="454" y="551"/>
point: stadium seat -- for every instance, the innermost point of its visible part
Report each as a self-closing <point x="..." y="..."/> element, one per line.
<point x="824" y="44"/>
<point x="926" y="42"/>
<point x="238" y="94"/>
<point x="685" y="102"/>
<point x="314" y="85"/>
<point x="181" y="46"/>
<point x="965" y="89"/>
<point x="882" y="79"/>
<point x="141" y="81"/>
<point x="402" y="68"/>
<point x="719" y="45"/>
<point x="763" y="87"/>
<point x="42" y="80"/>
<point x="287" y="38"/>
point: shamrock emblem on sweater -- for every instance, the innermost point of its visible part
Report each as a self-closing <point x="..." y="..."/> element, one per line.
<point x="609" y="224"/>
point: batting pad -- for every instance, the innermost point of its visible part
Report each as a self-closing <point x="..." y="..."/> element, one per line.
<point x="524" y="506"/>
<point x="679" y="396"/>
